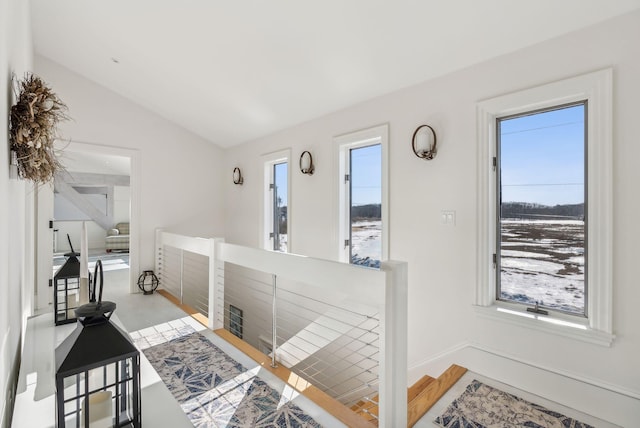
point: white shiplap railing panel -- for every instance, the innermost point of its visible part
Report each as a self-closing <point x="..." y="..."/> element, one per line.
<point x="364" y="284"/>
<point x="188" y="243"/>
<point x="207" y="298"/>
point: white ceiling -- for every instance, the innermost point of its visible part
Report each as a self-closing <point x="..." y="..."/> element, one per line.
<point x="96" y="163"/>
<point x="233" y="71"/>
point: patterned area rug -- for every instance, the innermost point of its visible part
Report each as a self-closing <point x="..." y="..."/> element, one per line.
<point x="213" y="389"/>
<point x="482" y="406"/>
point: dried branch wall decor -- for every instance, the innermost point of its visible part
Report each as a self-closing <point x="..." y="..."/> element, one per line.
<point x="34" y="129"/>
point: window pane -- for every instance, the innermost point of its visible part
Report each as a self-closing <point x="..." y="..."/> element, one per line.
<point x="541" y="242"/>
<point x="280" y="207"/>
<point x="366" y="202"/>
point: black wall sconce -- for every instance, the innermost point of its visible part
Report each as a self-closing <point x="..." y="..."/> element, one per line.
<point x="306" y="163"/>
<point x="237" y="176"/>
<point x="423" y="142"/>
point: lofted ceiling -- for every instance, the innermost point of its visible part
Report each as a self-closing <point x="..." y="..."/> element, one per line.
<point x="233" y="71"/>
<point x="96" y="163"/>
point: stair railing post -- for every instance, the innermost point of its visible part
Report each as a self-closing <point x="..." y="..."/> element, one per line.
<point x="274" y="280"/>
<point x="216" y="285"/>
<point x="393" y="358"/>
<point x="181" y="275"/>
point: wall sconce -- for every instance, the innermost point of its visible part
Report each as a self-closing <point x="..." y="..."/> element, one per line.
<point x="423" y="142"/>
<point x="237" y="176"/>
<point x="306" y="163"/>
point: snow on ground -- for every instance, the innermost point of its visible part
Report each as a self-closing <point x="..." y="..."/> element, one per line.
<point x="557" y="281"/>
<point x="542" y="260"/>
<point x="366" y="243"/>
<point x="515" y="253"/>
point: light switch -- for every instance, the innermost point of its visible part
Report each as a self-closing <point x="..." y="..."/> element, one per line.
<point x="448" y="217"/>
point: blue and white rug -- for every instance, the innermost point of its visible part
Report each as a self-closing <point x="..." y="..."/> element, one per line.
<point x="482" y="406"/>
<point x="213" y="389"/>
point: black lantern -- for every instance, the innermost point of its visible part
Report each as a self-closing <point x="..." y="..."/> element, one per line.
<point x="97" y="371"/>
<point x="148" y="282"/>
<point x="67" y="290"/>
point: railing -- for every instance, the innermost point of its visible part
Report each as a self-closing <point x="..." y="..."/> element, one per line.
<point x="340" y="327"/>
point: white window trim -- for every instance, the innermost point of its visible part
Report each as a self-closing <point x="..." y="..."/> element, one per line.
<point x="269" y="160"/>
<point x="342" y="145"/>
<point x="597" y="89"/>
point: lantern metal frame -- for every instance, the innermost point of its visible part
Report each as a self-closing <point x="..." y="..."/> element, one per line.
<point x="148" y="275"/>
<point x="97" y="370"/>
<point x="66" y="285"/>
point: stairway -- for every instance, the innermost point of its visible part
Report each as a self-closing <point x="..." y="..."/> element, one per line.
<point x="420" y="396"/>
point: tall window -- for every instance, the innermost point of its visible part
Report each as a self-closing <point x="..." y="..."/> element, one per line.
<point x="545" y="208"/>
<point x="276" y="207"/>
<point x="363" y="202"/>
<point x="540" y="246"/>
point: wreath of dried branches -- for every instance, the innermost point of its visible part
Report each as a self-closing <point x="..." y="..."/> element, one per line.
<point x="34" y="129"/>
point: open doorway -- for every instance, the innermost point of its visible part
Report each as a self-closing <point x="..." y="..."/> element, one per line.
<point x="98" y="189"/>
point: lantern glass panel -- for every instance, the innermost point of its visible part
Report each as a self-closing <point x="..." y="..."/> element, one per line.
<point x="98" y="379"/>
<point x="67" y="299"/>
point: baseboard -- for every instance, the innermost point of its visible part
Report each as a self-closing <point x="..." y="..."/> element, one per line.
<point x="5" y="370"/>
<point x="613" y="403"/>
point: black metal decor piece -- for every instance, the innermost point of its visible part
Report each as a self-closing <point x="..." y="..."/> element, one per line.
<point x="148" y="282"/>
<point x="426" y="153"/>
<point x="97" y="370"/>
<point x="66" y="293"/>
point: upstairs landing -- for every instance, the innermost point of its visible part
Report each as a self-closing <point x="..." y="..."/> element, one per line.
<point x="427" y="421"/>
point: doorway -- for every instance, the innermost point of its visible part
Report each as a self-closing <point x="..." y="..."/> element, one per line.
<point x="100" y="189"/>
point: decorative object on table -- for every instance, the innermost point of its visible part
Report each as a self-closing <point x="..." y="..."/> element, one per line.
<point x="34" y="129"/>
<point x="237" y="176"/>
<point x="482" y="405"/>
<point x="306" y="163"/>
<point x="97" y="370"/>
<point x="68" y="294"/>
<point x="424" y="142"/>
<point x="148" y="282"/>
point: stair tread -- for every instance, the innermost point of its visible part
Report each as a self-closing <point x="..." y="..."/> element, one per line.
<point x="417" y="387"/>
<point x="432" y="393"/>
<point x="366" y="408"/>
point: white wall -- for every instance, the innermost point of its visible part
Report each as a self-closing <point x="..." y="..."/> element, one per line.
<point x="442" y="258"/>
<point x="95" y="233"/>
<point x="121" y="204"/>
<point x="16" y="207"/>
<point x="180" y="173"/>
